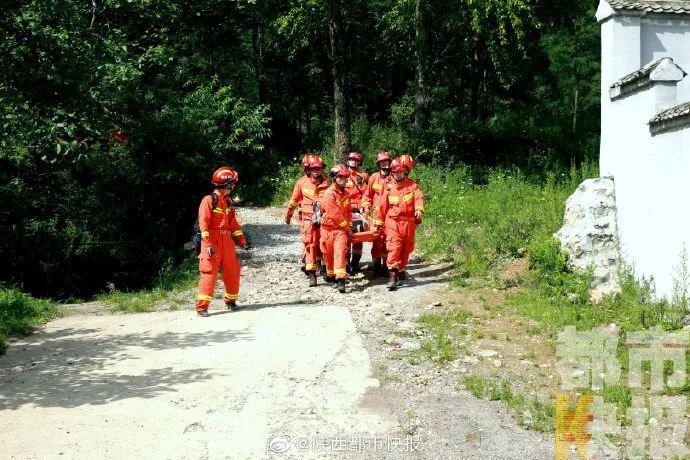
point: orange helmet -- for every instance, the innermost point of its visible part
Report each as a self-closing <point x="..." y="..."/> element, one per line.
<point x="308" y="158"/>
<point x="355" y="156"/>
<point x="315" y="162"/>
<point x="383" y="156"/>
<point x="398" y="165"/>
<point x="225" y="176"/>
<point x="339" y="171"/>
<point x="407" y="161"/>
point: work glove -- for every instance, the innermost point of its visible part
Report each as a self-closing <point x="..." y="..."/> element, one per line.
<point x="348" y="232"/>
<point x="288" y="217"/>
<point x="211" y="251"/>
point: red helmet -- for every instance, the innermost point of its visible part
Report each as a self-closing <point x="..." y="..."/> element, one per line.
<point x="339" y="171"/>
<point x="383" y="156"/>
<point x="224" y="176"/>
<point x="354" y="156"/>
<point x="407" y="161"/>
<point x="315" y="162"/>
<point x="308" y="158"/>
<point x="398" y="165"/>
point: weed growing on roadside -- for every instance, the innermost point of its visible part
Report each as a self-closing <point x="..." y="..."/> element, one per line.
<point x="20" y="312"/>
<point x="447" y="332"/>
<point x="532" y="414"/>
<point x="169" y="290"/>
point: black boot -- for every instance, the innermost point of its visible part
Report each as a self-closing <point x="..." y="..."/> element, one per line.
<point x="330" y="279"/>
<point x="403" y="279"/>
<point x="312" y="279"/>
<point x="231" y="306"/>
<point x="354" y="264"/>
<point x="341" y="286"/>
<point x="384" y="268"/>
<point x="202" y="313"/>
<point x="392" y="280"/>
<point x="322" y="273"/>
<point x="377" y="267"/>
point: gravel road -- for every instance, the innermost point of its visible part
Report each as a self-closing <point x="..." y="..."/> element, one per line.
<point x="298" y="373"/>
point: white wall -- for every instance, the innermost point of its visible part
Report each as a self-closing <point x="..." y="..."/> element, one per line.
<point x="629" y="161"/>
<point x="620" y="55"/>
<point x="667" y="38"/>
<point x="668" y="225"/>
<point x="651" y="173"/>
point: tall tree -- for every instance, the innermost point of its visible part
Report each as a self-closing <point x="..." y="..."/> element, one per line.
<point x="422" y="112"/>
<point x="341" y="96"/>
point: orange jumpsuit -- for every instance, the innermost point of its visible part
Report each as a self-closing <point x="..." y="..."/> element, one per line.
<point x="218" y="228"/>
<point x="396" y="210"/>
<point x="371" y="199"/>
<point x="306" y="192"/>
<point x="336" y="218"/>
<point x="356" y="188"/>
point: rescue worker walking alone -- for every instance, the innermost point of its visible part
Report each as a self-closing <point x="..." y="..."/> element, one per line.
<point x="307" y="191"/>
<point x="335" y="226"/>
<point x="401" y="208"/>
<point x="372" y="197"/>
<point x="220" y="231"/>
<point x="356" y="188"/>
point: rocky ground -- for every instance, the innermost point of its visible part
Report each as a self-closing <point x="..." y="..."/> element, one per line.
<point x="297" y="364"/>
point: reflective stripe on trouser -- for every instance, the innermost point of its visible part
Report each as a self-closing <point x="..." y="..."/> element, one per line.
<point x="310" y="239"/>
<point x="399" y="242"/>
<point x="356" y="249"/>
<point x="226" y="259"/>
<point x="334" y="251"/>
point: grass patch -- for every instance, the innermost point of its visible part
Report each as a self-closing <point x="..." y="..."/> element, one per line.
<point x="530" y="413"/>
<point x="447" y="332"/>
<point x="168" y="290"/>
<point x="20" y="312"/>
<point x="479" y="221"/>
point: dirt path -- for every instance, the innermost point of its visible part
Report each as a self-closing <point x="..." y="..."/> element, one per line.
<point x="299" y="373"/>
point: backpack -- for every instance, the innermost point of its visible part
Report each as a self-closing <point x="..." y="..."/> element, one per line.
<point x="196" y="238"/>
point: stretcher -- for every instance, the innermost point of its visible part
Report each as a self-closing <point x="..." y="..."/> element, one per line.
<point x="361" y="232"/>
<point x="364" y="237"/>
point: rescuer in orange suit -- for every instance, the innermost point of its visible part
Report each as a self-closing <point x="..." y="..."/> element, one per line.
<point x="219" y="232"/>
<point x="335" y="226"/>
<point x="356" y="188"/>
<point x="400" y="209"/>
<point x="309" y="190"/>
<point x="371" y="199"/>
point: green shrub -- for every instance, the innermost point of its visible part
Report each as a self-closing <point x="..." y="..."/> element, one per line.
<point x="19" y="313"/>
<point x="478" y="217"/>
<point x="169" y="290"/>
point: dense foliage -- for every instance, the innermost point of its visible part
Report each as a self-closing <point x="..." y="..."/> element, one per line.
<point x="116" y="111"/>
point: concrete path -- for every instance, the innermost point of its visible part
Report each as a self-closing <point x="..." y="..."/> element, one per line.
<point x="120" y="386"/>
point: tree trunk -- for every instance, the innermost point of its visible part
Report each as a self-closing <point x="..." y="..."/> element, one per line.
<point x="258" y="51"/>
<point x="340" y="90"/>
<point x="422" y="113"/>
